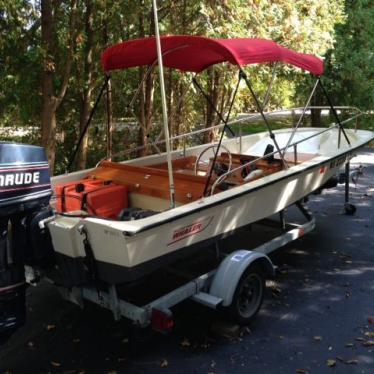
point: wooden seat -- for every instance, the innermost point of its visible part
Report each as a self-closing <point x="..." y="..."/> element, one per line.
<point x="151" y="181"/>
<point x="184" y="165"/>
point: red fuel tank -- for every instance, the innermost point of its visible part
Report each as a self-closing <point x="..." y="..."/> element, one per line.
<point x="97" y="197"/>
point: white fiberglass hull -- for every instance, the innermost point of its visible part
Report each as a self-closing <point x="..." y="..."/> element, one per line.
<point x="125" y="251"/>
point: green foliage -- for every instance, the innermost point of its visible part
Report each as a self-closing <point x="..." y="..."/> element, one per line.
<point x="343" y="31"/>
<point x="350" y="64"/>
<point x="20" y="63"/>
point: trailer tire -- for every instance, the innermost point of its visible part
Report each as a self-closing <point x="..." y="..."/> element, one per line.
<point x="248" y="296"/>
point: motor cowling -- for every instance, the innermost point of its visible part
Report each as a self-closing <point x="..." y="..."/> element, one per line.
<point x="25" y="191"/>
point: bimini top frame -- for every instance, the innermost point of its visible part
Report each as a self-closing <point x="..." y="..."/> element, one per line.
<point x="176" y="52"/>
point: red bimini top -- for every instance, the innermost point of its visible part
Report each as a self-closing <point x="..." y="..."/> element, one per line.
<point x="196" y="53"/>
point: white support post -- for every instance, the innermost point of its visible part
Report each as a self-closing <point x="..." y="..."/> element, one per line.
<point x="164" y="107"/>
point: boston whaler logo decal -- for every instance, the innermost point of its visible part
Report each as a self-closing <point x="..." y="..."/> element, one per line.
<point x="192" y="229"/>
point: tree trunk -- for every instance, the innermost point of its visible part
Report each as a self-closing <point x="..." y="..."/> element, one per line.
<point x="145" y="96"/>
<point x="51" y="101"/>
<point x="109" y="102"/>
<point x="88" y="85"/>
<point x="49" y="129"/>
<point x="213" y="81"/>
<point x="109" y="108"/>
<point x="48" y="122"/>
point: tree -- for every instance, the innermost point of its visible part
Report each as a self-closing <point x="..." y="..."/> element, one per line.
<point x="88" y="82"/>
<point x="19" y="60"/>
<point x="350" y="63"/>
<point x="52" y="95"/>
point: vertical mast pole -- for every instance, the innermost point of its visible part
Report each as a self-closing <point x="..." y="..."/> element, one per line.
<point x="164" y="107"/>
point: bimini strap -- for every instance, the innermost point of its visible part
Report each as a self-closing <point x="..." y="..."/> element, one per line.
<point x="90" y="260"/>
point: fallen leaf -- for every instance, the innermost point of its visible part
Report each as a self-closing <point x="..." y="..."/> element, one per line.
<point x="368" y="343"/>
<point x="360" y="339"/>
<point x="245" y="330"/>
<point x="302" y="371"/>
<point x="352" y="362"/>
<point x="31" y="344"/>
<point x="369" y="334"/>
<point x="349" y="345"/>
<point x="76" y="340"/>
<point x="317" y="338"/>
<point x="330" y="363"/>
<point x="164" y="363"/>
<point x="347" y="294"/>
<point x="125" y="340"/>
<point x="55" y="364"/>
<point x="121" y="359"/>
<point x="51" y="327"/>
<point x="276" y="291"/>
<point x="348" y="362"/>
<point x="185" y="343"/>
<point x="330" y="348"/>
<point x="371" y="320"/>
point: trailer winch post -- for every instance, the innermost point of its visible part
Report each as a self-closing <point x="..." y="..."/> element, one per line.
<point x="349" y="208"/>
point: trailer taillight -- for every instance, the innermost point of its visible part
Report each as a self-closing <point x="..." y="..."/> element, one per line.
<point x="162" y="320"/>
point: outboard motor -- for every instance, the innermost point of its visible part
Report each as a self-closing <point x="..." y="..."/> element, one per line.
<point x="25" y="191"/>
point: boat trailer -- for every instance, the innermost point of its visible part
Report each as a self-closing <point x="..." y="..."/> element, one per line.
<point x="236" y="284"/>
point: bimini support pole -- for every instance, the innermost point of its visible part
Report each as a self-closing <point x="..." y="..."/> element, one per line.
<point x="83" y="133"/>
<point x="270" y="86"/>
<point x="211" y="104"/>
<point x="225" y="126"/>
<point x="164" y="107"/>
<point x="259" y="108"/>
<point x="341" y="128"/>
<point x="300" y="119"/>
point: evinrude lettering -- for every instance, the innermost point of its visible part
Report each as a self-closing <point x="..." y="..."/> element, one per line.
<point x="9" y="179"/>
<point x="19" y="179"/>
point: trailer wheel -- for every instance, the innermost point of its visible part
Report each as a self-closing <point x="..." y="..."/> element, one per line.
<point x="350" y="209"/>
<point x="248" y="296"/>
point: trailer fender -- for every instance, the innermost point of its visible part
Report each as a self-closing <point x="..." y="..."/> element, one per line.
<point x="231" y="269"/>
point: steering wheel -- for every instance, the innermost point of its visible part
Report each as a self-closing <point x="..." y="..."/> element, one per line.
<point x="219" y="168"/>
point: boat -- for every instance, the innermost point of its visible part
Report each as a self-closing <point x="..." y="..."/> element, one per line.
<point x="120" y="221"/>
<point x="218" y="187"/>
